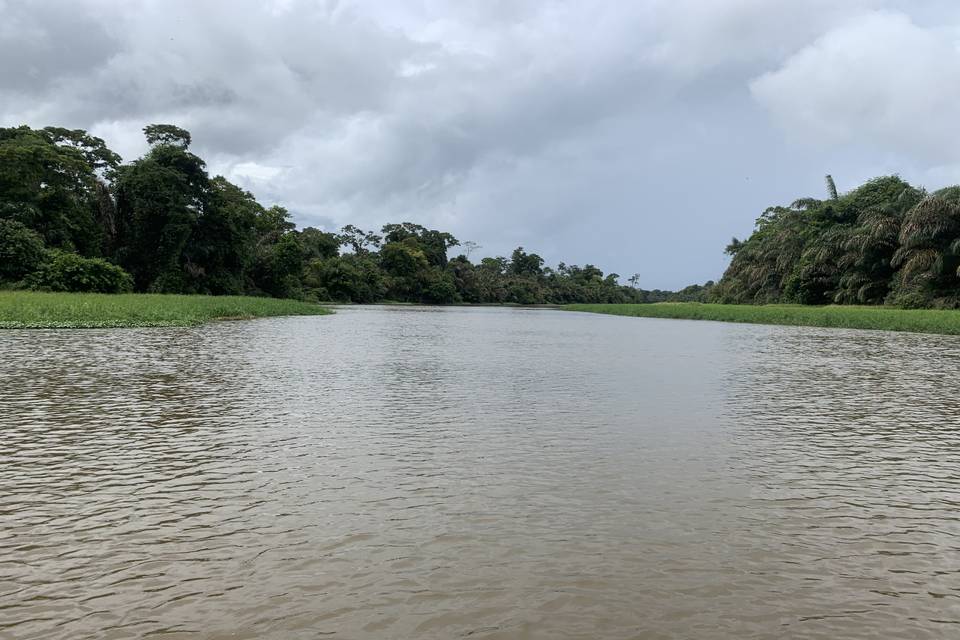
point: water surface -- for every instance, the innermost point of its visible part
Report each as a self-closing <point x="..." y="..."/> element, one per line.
<point x="398" y="472"/>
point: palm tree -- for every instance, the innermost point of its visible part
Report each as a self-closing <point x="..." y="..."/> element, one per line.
<point x="832" y="188"/>
<point x="928" y="260"/>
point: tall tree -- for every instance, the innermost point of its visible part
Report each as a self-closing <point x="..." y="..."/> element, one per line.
<point x="359" y="241"/>
<point x="929" y="255"/>
<point x="160" y="200"/>
<point x="49" y="184"/>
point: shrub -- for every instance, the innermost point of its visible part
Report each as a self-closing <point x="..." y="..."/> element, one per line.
<point x="909" y="300"/>
<point x="71" y="272"/>
<point x="346" y="278"/>
<point x="21" y="251"/>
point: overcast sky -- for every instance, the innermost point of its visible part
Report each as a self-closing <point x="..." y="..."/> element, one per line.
<point x="635" y="135"/>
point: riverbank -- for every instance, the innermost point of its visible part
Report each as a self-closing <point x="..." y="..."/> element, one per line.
<point x="946" y="322"/>
<point x="37" y="310"/>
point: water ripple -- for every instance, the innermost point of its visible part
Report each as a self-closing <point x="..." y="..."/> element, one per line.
<point x="481" y="473"/>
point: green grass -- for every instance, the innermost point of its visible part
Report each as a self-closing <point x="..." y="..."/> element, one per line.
<point x="35" y="310"/>
<point x="847" y="317"/>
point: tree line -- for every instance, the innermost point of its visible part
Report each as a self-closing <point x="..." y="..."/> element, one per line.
<point x="885" y="242"/>
<point x="73" y="217"/>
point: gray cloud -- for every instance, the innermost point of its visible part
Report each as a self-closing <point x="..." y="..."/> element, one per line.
<point x="882" y="82"/>
<point x="38" y="46"/>
<point x="637" y="136"/>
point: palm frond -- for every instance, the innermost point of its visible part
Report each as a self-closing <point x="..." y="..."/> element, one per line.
<point x="922" y="261"/>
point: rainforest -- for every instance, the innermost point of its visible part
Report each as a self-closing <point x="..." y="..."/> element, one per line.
<point x="74" y="218"/>
<point x="885" y="242"/>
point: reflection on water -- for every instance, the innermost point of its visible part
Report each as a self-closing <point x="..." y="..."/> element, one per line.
<point x="491" y="473"/>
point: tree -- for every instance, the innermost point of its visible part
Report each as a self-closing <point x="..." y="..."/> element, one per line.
<point x="885" y="240"/>
<point x="406" y="266"/>
<point x="318" y="244"/>
<point x="434" y="244"/>
<point x="928" y="259"/>
<point x="21" y="251"/>
<point x="279" y="266"/>
<point x="522" y="263"/>
<point x="167" y="134"/>
<point x="762" y="264"/>
<point x="346" y="278"/>
<point x="832" y="188"/>
<point x="734" y="247"/>
<point x="50" y="188"/>
<point x="160" y="201"/>
<point x="273" y="222"/>
<point x="359" y="241"/>
<point x="94" y="149"/>
<point x="469" y="247"/>
<point x="220" y="252"/>
<point x="867" y="263"/>
<point x="466" y="279"/>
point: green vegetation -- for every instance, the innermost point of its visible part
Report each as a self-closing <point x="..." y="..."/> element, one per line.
<point x="69" y="272"/>
<point x="848" y="317"/>
<point x="31" y="309"/>
<point x="74" y="218"/>
<point x="886" y="242"/>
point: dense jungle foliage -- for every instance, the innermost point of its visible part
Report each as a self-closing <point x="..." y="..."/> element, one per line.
<point x="884" y="242"/>
<point x="74" y="218"/>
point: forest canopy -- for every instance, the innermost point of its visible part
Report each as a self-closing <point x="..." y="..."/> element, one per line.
<point x="73" y="217"/>
<point x="883" y="242"/>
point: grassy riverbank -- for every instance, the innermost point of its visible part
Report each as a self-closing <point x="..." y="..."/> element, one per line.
<point x="847" y="317"/>
<point x="34" y="310"/>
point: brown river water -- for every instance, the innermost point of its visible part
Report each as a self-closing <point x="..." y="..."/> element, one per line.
<point x="404" y="472"/>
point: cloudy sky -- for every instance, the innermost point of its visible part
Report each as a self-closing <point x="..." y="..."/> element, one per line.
<point x="636" y="135"/>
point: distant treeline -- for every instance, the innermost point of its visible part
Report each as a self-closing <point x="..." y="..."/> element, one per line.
<point x="74" y="218"/>
<point x="885" y="242"/>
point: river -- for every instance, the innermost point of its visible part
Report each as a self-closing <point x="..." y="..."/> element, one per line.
<point x="417" y="472"/>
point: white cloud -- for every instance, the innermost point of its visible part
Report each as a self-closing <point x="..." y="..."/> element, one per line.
<point x="697" y="36"/>
<point x="881" y="82"/>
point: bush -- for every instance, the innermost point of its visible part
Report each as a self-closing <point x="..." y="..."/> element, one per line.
<point x="71" y="272"/>
<point x="346" y="278"/>
<point x="909" y="300"/>
<point x="946" y="302"/>
<point x="21" y="251"/>
<point x="438" y="287"/>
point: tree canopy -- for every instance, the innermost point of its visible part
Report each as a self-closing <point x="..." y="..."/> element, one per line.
<point x="72" y="216"/>
<point x="883" y="242"/>
<point x="161" y="223"/>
